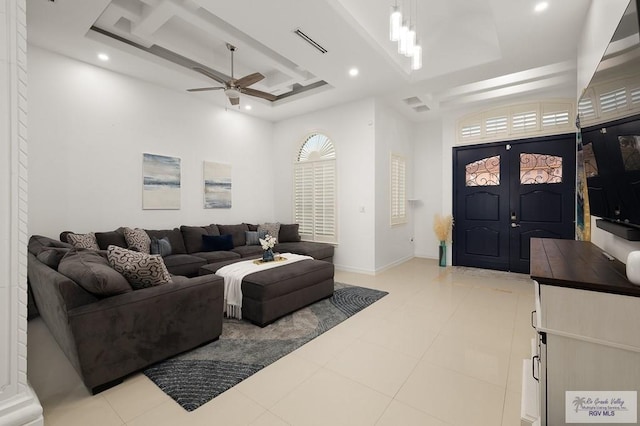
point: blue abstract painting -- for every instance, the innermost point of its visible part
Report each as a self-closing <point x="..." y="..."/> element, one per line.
<point x="217" y="185"/>
<point x="161" y="182"/>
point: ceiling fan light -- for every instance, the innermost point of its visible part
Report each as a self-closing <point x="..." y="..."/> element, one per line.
<point x="416" y="61"/>
<point x="232" y="92"/>
<point x="395" y="22"/>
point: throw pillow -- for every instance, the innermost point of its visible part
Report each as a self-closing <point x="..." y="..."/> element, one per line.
<point x="289" y="233"/>
<point x="140" y="269"/>
<point x="106" y="239"/>
<point x="272" y="229"/>
<point x="90" y="270"/>
<point x="217" y="242"/>
<point x="87" y="241"/>
<point x="160" y="246"/>
<point x="253" y="237"/>
<point x="138" y="240"/>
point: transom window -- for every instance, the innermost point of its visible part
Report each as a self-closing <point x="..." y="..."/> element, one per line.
<point x="314" y="189"/>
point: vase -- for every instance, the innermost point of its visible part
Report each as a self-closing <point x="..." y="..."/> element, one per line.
<point x="267" y="255"/>
<point x="442" y="254"/>
<point x="633" y="267"/>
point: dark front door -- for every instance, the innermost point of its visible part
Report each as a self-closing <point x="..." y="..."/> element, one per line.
<point x="507" y="193"/>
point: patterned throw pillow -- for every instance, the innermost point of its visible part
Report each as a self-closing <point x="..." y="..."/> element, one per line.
<point x="272" y="229"/>
<point x="87" y="241"/>
<point x="138" y="240"/>
<point x="140" y="269"/>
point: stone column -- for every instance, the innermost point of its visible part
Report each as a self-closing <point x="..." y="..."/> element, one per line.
<point x="18" y="403"/>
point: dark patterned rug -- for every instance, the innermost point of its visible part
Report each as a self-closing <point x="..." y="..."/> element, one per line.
<point x="195" y="378"/>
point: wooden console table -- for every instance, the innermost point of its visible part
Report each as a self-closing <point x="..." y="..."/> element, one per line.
<point x="587" y="318"/>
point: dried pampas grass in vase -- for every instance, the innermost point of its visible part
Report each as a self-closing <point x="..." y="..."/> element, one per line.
<point x="442" y="228"/>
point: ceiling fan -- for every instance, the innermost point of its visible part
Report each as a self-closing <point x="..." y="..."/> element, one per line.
<point x="233" y="88"/>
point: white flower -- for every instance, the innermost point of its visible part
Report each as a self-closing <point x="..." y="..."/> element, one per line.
<point x="268" y="242"/>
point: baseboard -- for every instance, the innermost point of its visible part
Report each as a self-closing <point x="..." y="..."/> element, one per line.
<point x="394" y="264"/>
<point x="354" y="270"/>
<point x="23" y="409"/>
<point x="426" y="256"/>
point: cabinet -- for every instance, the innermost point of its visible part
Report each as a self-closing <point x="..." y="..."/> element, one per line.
<point x="587" y="319"/>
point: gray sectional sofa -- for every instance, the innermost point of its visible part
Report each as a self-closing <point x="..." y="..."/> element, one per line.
<point x="108" y="331"/>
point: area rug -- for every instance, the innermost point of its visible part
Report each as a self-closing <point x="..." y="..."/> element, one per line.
<point x="198" y="376"/>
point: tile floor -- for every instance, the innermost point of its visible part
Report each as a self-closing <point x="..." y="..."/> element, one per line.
<point x="443" y="348"/>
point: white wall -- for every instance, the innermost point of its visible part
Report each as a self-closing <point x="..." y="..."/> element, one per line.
<point x="88" y="130"/>
<point x="600" y="24"/>
<point x="428" y="183"/>
<point x="393" y="134"/>
<point x="351" y="128"/>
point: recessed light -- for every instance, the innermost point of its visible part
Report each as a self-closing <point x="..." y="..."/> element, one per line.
<point x="353" y="72"/>
<point x="543" y="5"/>
<point x="247" y="107"/>
<point x="103" y="56"/>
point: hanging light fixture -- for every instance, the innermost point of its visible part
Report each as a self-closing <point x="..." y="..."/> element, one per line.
<point x="402" y="29"/>
<point x="395" y="22"/>
<point x="416" y="59"/>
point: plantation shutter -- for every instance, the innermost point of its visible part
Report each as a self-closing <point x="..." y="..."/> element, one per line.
<point x="398" y="190"/>
<point x="303" y="198"/>
<point x="315" y="190"/>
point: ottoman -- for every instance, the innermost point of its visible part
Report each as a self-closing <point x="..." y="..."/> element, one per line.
<point x="270" y="294"/>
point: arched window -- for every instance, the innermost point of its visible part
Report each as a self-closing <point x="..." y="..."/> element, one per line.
<point x="314" y="189"/>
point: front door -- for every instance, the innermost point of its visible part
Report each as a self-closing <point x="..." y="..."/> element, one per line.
<point x="505" y="194"/>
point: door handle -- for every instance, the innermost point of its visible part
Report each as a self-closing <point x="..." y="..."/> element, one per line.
<point x="533" y="367"/>
<point x="533" y="314"/>
<point x="515" y="225"/>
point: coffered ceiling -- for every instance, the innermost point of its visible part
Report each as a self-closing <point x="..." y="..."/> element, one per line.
<point x="473" y="50"/>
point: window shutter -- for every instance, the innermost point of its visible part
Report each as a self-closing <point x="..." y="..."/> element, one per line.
<point x="315" y="194"/>
<point x="398" y="190"/>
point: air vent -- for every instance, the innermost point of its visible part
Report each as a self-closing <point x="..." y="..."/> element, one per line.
<point x="414" y="100"/>
<point x="421" y="108"/>
<point x="309" y="40"/>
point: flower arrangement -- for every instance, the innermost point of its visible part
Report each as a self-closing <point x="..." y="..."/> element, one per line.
<point x="442" y="227"/>
<point x="268" y="242"/>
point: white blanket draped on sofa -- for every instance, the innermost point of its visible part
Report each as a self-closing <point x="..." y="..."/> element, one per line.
<point x="234" y="273"/>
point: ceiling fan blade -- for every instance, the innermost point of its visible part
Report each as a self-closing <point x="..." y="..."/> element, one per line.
<point x="210" y="75"/>
<point x="259" y="94"/>
<point x="203" y="89"/>
<point x="248" y="80"/>
<point x="234" y="101"/>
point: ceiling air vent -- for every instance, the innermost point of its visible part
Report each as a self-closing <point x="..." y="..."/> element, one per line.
<point x="309" y="40"/>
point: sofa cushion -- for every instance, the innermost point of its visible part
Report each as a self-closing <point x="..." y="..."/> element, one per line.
<point x="192" y="236"/>
<point x="111" y="238"/>
<point x="217" y="256"/>
<point x="37" y="243"/>
<point x="253" y="237"/>
<point x="315" y="250"/>
<point x="51" y="256"/>
<point x="237" y="231"/>
<point x="87" y="241"/>
<point x="184" y="264"/>
<point x="272" y="229"/>
<point x="252" y="227"/>
<point x="248" y="251"/>
<point x="289" y="233"/>
<point x="160" y="246"/>
<point x="138" y="240"/>
<point x="140" y="269"/>
<point x="92" y="271"/>
<point x="217" y="242"/>
<point x="175" y="238"/>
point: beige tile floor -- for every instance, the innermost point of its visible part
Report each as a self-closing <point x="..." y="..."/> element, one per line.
<point x="443" y="348"/>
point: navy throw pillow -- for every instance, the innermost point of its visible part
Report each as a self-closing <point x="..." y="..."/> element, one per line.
<point x="217" y="242"/>
<point x="160" y="246"/>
